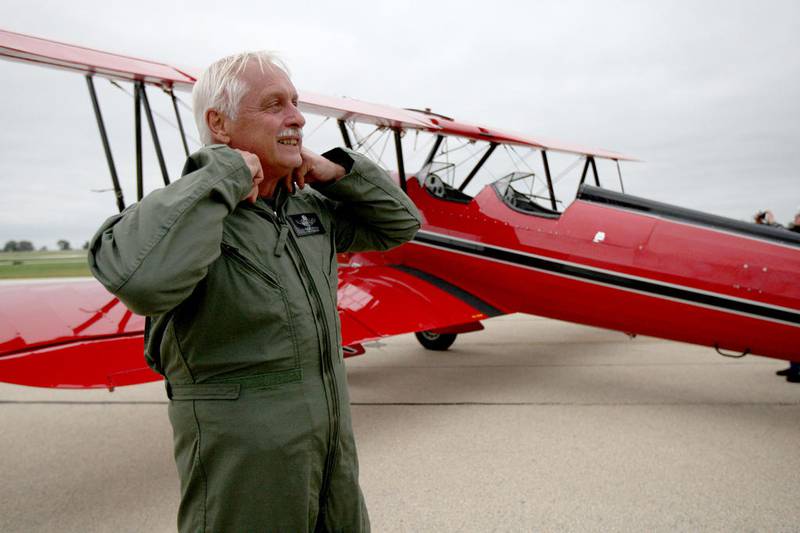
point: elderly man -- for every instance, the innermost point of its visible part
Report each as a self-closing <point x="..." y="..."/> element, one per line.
<point x="237" y="275"/>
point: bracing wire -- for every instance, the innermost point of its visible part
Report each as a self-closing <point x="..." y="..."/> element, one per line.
<point x="562" y="174"/>
<point x="383" y="149"/>
<point x="377" y="139"/>
<point x="426" y="144"/>
<point x="183" y="104"/>
<point x="471" y="156"/>
<point x="361" y="141"/>
<point x="463" y="145"/>
<point x="315" y="130"/>
<point x="522" y="160"/>
<point x="513" y="153"/>
<point x="446" y="153"/>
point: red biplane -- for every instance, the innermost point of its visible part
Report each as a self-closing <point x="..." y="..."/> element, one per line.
<point x="607" y="259"/>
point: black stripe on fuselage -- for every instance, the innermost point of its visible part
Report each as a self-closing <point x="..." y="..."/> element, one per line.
<point x="603" y="277"/>
<point x="466" y="297"/>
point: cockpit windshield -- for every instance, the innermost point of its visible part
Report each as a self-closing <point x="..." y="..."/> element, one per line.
<point x="518" y="191"/>
<point x="435" y="181"/>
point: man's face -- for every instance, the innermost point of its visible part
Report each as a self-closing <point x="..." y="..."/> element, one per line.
<point x="268" y="124"/>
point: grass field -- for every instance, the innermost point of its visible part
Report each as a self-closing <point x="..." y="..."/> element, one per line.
<point x="69" y="263"/>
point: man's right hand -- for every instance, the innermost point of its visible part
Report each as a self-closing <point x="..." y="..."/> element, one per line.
<point x="253" y="163"/>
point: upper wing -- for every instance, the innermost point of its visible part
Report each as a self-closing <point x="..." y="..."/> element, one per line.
<point x="448" y="126"/>
<point x="360" y="111"/>
<point x="44" y="52"/>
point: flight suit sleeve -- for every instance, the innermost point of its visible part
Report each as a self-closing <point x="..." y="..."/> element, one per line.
<point x="153" y="254"/>
<point x="370" y="212"/>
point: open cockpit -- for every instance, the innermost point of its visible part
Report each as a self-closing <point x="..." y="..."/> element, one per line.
<point x="516" y="190"/>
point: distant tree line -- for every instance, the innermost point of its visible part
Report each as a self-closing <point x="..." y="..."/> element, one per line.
<point x="18" y="246"/>
<point x="27" y="246"/>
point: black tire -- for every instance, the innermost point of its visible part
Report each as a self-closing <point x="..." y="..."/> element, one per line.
<point x="435" y="341"/>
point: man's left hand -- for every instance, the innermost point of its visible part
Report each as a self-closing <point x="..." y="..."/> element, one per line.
<point x="314" y="169"/>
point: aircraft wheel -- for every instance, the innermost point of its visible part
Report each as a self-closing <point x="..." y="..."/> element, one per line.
<point x="435" y="341"/>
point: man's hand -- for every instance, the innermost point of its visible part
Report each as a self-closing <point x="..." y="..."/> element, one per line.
<point x="252" y="162"/>
<point x="314" y="169"/>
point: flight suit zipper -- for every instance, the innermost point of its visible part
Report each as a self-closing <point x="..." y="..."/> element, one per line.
<point x="328" y="374"/>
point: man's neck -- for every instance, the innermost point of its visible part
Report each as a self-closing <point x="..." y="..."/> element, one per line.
<point x="278" y="198"/>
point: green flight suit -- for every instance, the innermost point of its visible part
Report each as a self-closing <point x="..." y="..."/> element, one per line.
<point x="244" y="327"/>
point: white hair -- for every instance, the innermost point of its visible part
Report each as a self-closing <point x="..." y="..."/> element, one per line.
<point x="220" y="86"/>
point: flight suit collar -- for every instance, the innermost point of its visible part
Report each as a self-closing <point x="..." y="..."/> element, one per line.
<point x="275" y="205"/>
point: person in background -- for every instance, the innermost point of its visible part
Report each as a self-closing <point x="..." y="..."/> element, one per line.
<point x="766" y="218"/>
<point x="795" y="225"/>
<point x="793" y="372"/>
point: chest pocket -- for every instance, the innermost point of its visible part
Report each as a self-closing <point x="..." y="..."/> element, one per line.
<point x="243" y="321"/>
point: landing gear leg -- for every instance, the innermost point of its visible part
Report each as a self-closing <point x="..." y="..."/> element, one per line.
<point x="435" y="341"/>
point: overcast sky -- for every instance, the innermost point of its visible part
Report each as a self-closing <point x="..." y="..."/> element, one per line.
<point x="705" y="93"/>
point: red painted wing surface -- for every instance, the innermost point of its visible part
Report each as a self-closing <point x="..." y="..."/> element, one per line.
<point x="69" y="334"/>
<point x="77" y="335"/>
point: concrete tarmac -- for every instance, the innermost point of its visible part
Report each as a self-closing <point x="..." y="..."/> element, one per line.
<point x="530" y="425"/>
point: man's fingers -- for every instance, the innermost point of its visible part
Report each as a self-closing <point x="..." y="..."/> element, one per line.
<point x="287" y="182"/>
<point x="252" y="162"/>
<point x="300" y="175"/>
<point x="252" y="196"/>
<point x="257" y="173"/>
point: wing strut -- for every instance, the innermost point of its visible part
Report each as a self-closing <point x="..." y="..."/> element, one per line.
<point x="180" y="122"/>
<point x="345" y="134"/>
<point x="583" y="174"/>
<point x="401" y="171"/>
<point x="549" y="180"/>
<point x="151" y="123"/>
<point x="589" y="161"/>
<point x="475" y="170"/>
<point x="137" y="132"/>
<point x="106" y="146"/>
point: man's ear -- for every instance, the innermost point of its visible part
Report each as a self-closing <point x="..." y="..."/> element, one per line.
<point x="218" y="126"/>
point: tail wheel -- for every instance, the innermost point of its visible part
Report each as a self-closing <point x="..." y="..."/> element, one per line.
<point x="435" y="341"/>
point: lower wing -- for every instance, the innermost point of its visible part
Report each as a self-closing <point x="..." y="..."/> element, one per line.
<point x="75" y="334"/>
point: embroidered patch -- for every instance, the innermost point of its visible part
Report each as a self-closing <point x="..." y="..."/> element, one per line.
<point x="306" y="224"/>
